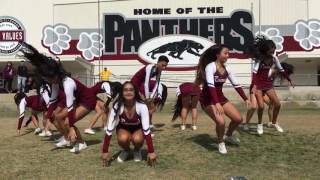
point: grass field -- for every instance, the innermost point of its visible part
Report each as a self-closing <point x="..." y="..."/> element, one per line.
<point x="187" y="154"/>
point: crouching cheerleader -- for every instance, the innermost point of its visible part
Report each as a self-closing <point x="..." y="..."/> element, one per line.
<point x="213" y="73"/>
<point x="133" y="126"/>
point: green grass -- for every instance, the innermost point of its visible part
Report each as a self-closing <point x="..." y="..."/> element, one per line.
<point x="181" y="154"/>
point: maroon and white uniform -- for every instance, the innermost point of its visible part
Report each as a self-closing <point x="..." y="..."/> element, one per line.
<point x="188" y="88"/>
<point x="262" y="74"/>
<point x="212" y="89"/>
<point x="139" y="121"/>
<point x="60" y="102"/>
<point x="102" y="87"/>
<point x="35" y="102"/>
<point x="156" y="93"/>
<point x="73" y="89"/>
<point x="143" y="77"/>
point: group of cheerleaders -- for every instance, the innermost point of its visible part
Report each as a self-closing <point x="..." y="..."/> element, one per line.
<point x="64" y="100"/>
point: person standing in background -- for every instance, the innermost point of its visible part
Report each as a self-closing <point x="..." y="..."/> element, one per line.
<point x="105" y="74"/>
<point x="8" y="73"/>
<point x="22" y="77"/>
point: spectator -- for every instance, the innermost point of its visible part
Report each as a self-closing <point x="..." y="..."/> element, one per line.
<point x="22" y="77"/>
<point x="105" y="74"/>
<point x="8" y="73"/>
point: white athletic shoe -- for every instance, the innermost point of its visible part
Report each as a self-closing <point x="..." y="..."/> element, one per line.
<point x="194" y="127"/>
<point x="89" y="131"/>
<point x="245" y="127"/>
<point x="183" y="127"/>
<point x="277" y="127"/>
<point x="62" y="143"/>
<point x="123" y="156"/>
<point x="269" y="125"/>
<point x="232" y="140"/>
<point x="137" y="156"/>
<point x="105" y="128"/>
<point x="45" y="134"/>
<point x="37" y="130"/>
<point x="78" y="147"/>
<point x="222" y="148"/>
<point x="260" y="129"/>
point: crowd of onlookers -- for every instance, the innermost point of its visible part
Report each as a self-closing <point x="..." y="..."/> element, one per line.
<point x="10" y="73"/>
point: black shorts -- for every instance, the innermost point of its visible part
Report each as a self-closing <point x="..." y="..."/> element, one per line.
<point x="129" y="128"/>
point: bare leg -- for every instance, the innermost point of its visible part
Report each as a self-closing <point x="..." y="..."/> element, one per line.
<point x="218" y="119"/>
<point x="260" y="103"/>
<point x="99" y="112"/>
<point x="274" y="100"/>
<point x="252" y="109"/>
<point x="234" y="115"/>
<point x="137" y="139"/>
<point x="194" y="103"/>
<point x="185" y="108"/>
<point x="124" y="138"/>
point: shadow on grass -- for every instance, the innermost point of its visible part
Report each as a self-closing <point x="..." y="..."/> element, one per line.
<point x="92" y="142"/>
<point x="158" y="125"/>
<point x="205" y="141"/>
<point x="28" y="131"/>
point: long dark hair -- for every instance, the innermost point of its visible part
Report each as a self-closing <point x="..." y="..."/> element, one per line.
<point x="18" y="97"/>
<point x="210" y="55"/>
<point x="164" y="97"/>
<point x="120" y="99"/>
<point x="115" y="88"/>
<point x="177" y="108"/>
<point x="46" y="66"/>
<point x="288" y="68"/>
<point x="260" y="47"/>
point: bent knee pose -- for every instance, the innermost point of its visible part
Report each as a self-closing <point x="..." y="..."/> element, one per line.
<point x="35" y="104"/>
<point x="53" y="72"/>
<point x="188" y="96"/>
<point x="111" y="90"/>
<point x="275" y="73"/>
<point x="132" y="128"/>
<point x="143" y="78"/>
<point x="262" y="52"/>
<point x="213" y="73"/>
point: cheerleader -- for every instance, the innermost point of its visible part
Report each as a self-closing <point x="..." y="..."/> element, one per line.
<point x="53" y="72"/>
<point x="143" y="78"/>
<point x="274" y="74"/>
<point x="35" y="103"/>
<point x="133" y="125"/>
<point x="111" y="90"/>
<point x="188" y="96"/>
<point x="212" y="72"/>
<point x="262" y="52"/>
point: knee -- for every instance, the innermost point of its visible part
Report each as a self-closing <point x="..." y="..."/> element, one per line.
<point x="138" y="140"/>
<point x="220" y="123"/>
<point x="277" y="105"/>
<point x="238" y="119"/>
<point x="122" y="138"/>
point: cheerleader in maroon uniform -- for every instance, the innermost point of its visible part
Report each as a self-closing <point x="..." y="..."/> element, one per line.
<point x="275" y="73"/>
<point x="111" y="90"/>
<point x="143" y="77"/>
<point x="133" y="125"/>
<point x="80" y="100"/>
<point x="35" y="103"/>
<point x="188" y="96"/>
<point x="262" y="52"/>
<point x="212" y="73"/>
